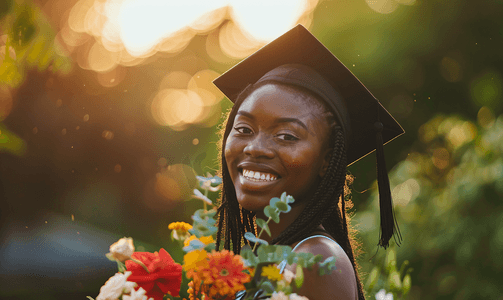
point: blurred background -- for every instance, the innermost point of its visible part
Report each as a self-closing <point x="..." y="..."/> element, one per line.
<point x="108" y="111"/>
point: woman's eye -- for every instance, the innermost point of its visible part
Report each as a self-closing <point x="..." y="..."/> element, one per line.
<point x="288" y="137"/>
<point x="243" y="130"/>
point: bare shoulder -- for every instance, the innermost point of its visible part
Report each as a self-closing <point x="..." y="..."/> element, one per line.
<point x="340" y="284"/>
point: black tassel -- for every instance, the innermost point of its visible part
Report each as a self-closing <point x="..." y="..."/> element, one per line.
<point x="389" y="225"/>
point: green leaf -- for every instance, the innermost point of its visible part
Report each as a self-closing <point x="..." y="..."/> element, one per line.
<point x="263" y="224"/>
<point x="250" y="259"/>
<point x="372" y="280"/>
<point x="394" y="281"/>
<point x="289" y="199"/>
<point x="406" y="284"/>
<point x="283" y="197"/>
<point x="210" y="247"/>
<point x="302" y="258"/>
<point x="390" y="260"/>
<point x="271" y="212"/>
<point x="282" y="206"/>
<point x="273" y="201"/>
<point x="327" y="266"/>
<point x="267" y="287"/>
<point x="299" y="277"/>
<point x="252" y="238"/>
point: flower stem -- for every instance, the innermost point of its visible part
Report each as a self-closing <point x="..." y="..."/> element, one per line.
<point x="204" y="202"/>
<point x="261" y="231"/>
<point x="141" y="264"/>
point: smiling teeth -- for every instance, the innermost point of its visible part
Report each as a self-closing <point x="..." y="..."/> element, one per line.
<point x="258" y="176"/>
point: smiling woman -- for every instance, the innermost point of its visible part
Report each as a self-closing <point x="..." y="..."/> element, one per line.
<point x="275" y="144"/>
<point x="295" y="129"/>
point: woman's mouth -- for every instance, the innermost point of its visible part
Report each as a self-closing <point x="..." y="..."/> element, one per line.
<point x="252" y="180"/>
<point x="257" y="175"/>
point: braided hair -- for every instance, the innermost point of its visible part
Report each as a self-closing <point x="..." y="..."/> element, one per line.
<point x="327" y="206"/>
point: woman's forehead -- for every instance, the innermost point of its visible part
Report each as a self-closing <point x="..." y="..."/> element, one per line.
<point x="278" y="99"/>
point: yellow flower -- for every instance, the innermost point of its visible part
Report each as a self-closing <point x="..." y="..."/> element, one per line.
<point x="180" y="230"/>
<point x="271" y="272"/>
<point x="204" y="239"/>
<point x="195" y="259"/>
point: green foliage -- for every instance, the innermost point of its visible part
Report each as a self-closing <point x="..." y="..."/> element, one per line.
<point x="9" y="142"/>
<point x="447" y="201"/>
<point x="204" y="223"/>
<point x="386" y="276"/>
<point x="32" y="39"/>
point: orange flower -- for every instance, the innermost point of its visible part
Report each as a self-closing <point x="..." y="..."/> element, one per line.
<point x="224" y="274"/>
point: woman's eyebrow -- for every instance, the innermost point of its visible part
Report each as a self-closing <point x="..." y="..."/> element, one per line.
<point x="279" y="120"/>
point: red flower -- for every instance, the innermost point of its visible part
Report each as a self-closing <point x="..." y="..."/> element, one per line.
<point x="165" y="276"/>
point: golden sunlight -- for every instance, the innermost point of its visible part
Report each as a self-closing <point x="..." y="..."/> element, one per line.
<point x="143" y="27"/>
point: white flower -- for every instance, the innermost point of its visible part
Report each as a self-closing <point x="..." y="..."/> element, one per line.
<point x="129" y="286"/>
<point x="381" y="295"/>
<point x="278" y="296"/>
<point x="114" y="286"/>
<point x="136" y="295"/>
<point x="297" y="297"/>
<point x="288" y="275"/>
<point x="122" y="249"/>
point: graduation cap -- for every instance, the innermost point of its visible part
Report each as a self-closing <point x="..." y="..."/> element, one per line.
<point x="298" y="58"/>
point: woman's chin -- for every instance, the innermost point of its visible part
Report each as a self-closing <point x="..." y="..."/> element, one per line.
<point x="255" y="204"/>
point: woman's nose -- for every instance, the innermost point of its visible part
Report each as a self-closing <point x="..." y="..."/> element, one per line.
<point x="260" y="146"/>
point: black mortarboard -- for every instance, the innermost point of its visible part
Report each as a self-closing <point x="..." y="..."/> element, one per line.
<point x="298" y="58"/>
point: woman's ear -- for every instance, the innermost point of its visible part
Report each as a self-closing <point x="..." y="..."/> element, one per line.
<point x="326" y="159"/>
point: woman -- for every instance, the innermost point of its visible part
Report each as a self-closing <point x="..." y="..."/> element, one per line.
<point x="300" y="117"/>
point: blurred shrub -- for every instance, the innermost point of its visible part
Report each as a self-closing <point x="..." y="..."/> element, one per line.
<point x="387" y="277"/>
<point x="447" y="197"/>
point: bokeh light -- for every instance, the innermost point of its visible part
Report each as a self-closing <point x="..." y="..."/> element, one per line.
<point x="451" y="69"/>
<point x="175" y="183"/>
<point x="6" y="102"/>
<point x="387" y="6"/>
<point x="487" y="90"/>
<point x="126" y="31"/>
<point x="183" y="100"/>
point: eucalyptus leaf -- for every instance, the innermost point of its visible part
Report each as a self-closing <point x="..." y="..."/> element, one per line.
<point x="263" y="224"/>
<point x="283" y="197"/>
<point x="327" y="266"/>
<point x="250" y="259"/>
<point x="282" y="206"/>
<point x="272" y="213"/>
<point x="315" y="259"/>
<point x="273" y="201"/>
<point x="194" y="245"/>
<point x="210" y="247"/>
<point x="252" y="238"/>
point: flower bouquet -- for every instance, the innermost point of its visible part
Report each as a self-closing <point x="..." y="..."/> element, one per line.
<point x="257" y="273"/>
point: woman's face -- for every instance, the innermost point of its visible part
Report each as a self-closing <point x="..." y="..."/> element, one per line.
<point x="278" y="143"/>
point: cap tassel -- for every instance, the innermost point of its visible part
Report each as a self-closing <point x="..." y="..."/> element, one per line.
<point x="388" y="221"/>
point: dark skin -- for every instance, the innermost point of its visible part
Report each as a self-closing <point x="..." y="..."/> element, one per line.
<point x="281" y="134"/>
